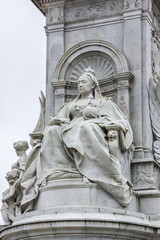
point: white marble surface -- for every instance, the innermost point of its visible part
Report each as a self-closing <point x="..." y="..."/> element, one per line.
<point x="126" y="26"/>
<point x="83" y="223"/>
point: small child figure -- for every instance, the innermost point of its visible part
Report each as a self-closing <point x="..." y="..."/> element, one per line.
<point x="12" y="197"/>
<point x="9" y="197"/>
<point x="20" y="164"/>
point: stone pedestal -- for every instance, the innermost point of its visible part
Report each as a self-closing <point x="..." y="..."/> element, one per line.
<point x="79" y="209"/>
<point x="77" y="193"/>
<point x="83" y="223"/>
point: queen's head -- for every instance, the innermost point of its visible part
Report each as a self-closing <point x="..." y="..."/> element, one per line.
<point x="88" y="83"/>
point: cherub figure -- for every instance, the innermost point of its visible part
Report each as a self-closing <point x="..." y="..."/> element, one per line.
<point x="19" y="165"/>
<point x="9" y="197"/>
<point x="20" y="147"/>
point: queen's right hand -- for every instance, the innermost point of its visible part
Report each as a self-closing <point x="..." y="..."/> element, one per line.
<point x="57" y="121"/>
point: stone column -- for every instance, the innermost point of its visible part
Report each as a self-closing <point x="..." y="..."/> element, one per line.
<point x="55" y="47"/>
<point x="146" y="74"/>
<point x="133" y="53"/>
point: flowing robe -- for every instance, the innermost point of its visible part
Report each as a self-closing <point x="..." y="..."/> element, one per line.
<point x="79" y="145"/>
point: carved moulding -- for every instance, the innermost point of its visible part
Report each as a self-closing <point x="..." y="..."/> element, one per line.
<point x="91" y="9"/>
<point x="99" y="223"/>
<point x="52" y="9"/>
<point x="55" y="15"/>
<point x="130" y="4"/>
<point x="76" y="10"/>
<point x="84" y="10"/>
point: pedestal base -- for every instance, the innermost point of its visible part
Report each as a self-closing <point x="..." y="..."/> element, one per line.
<point x="79" y="223"/>
<point x="76" y="209"/>
<point x="77" y="192"/>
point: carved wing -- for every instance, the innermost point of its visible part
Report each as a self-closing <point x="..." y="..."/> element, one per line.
<point x="154" y="102"/>
<point x="40" y="124"/>
<point x="158" y="91"/>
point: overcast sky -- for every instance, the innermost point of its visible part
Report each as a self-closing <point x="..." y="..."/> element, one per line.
<point x="22" y="76"/>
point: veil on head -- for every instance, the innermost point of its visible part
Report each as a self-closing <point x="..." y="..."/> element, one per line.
<point x="91" y="75"/>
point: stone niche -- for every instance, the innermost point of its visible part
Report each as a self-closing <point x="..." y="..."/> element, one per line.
<point x="120" y="40"/>
<point x="110" y="67"/>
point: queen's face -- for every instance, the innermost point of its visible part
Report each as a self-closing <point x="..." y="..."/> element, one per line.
<point x="85" y="85"/>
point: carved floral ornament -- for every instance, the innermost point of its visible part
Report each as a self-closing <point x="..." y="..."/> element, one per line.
<point x="55" y="15"/>
<point x="132" y="4"/>
<point x="86" y="10"/>
<point x="94" y="9"/>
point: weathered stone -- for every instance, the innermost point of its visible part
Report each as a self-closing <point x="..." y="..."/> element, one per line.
<point x="120" y="41"/>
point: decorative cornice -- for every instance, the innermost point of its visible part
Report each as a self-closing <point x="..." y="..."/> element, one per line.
<point x="81" y="10"/>
<point x="41" y="4"/>
<point x="93" y="9"/>
<point x="37" y="4"/>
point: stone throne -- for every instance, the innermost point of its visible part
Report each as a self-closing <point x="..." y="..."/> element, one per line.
<point x="113" y="37"/>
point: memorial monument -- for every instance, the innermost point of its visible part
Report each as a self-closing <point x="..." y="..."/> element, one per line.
<point x="94" y="168"/>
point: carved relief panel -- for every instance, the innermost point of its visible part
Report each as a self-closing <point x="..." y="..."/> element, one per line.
<point x="145" y="175"/>
<point x="55" y="15"/>
<point x="155" y="54"/>
<point x="93" y="9"/>
<point x="130" y="4"/>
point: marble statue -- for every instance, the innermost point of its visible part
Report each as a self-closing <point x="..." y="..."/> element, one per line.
<point x="9" y="197"/>
<point x="20" y="148"/>
<point x="12" y="197"/>
<point x="82" y="139"/>
<point x="154" y="100"/>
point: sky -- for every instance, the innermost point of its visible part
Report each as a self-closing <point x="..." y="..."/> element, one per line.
<point x="22" y="77"/>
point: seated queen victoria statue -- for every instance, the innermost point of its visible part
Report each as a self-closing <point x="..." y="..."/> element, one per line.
<point x="82" y="139"/>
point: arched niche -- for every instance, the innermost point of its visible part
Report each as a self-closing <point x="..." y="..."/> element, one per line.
<point x="110" y="67"/>
<point x="104" y="47"/>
